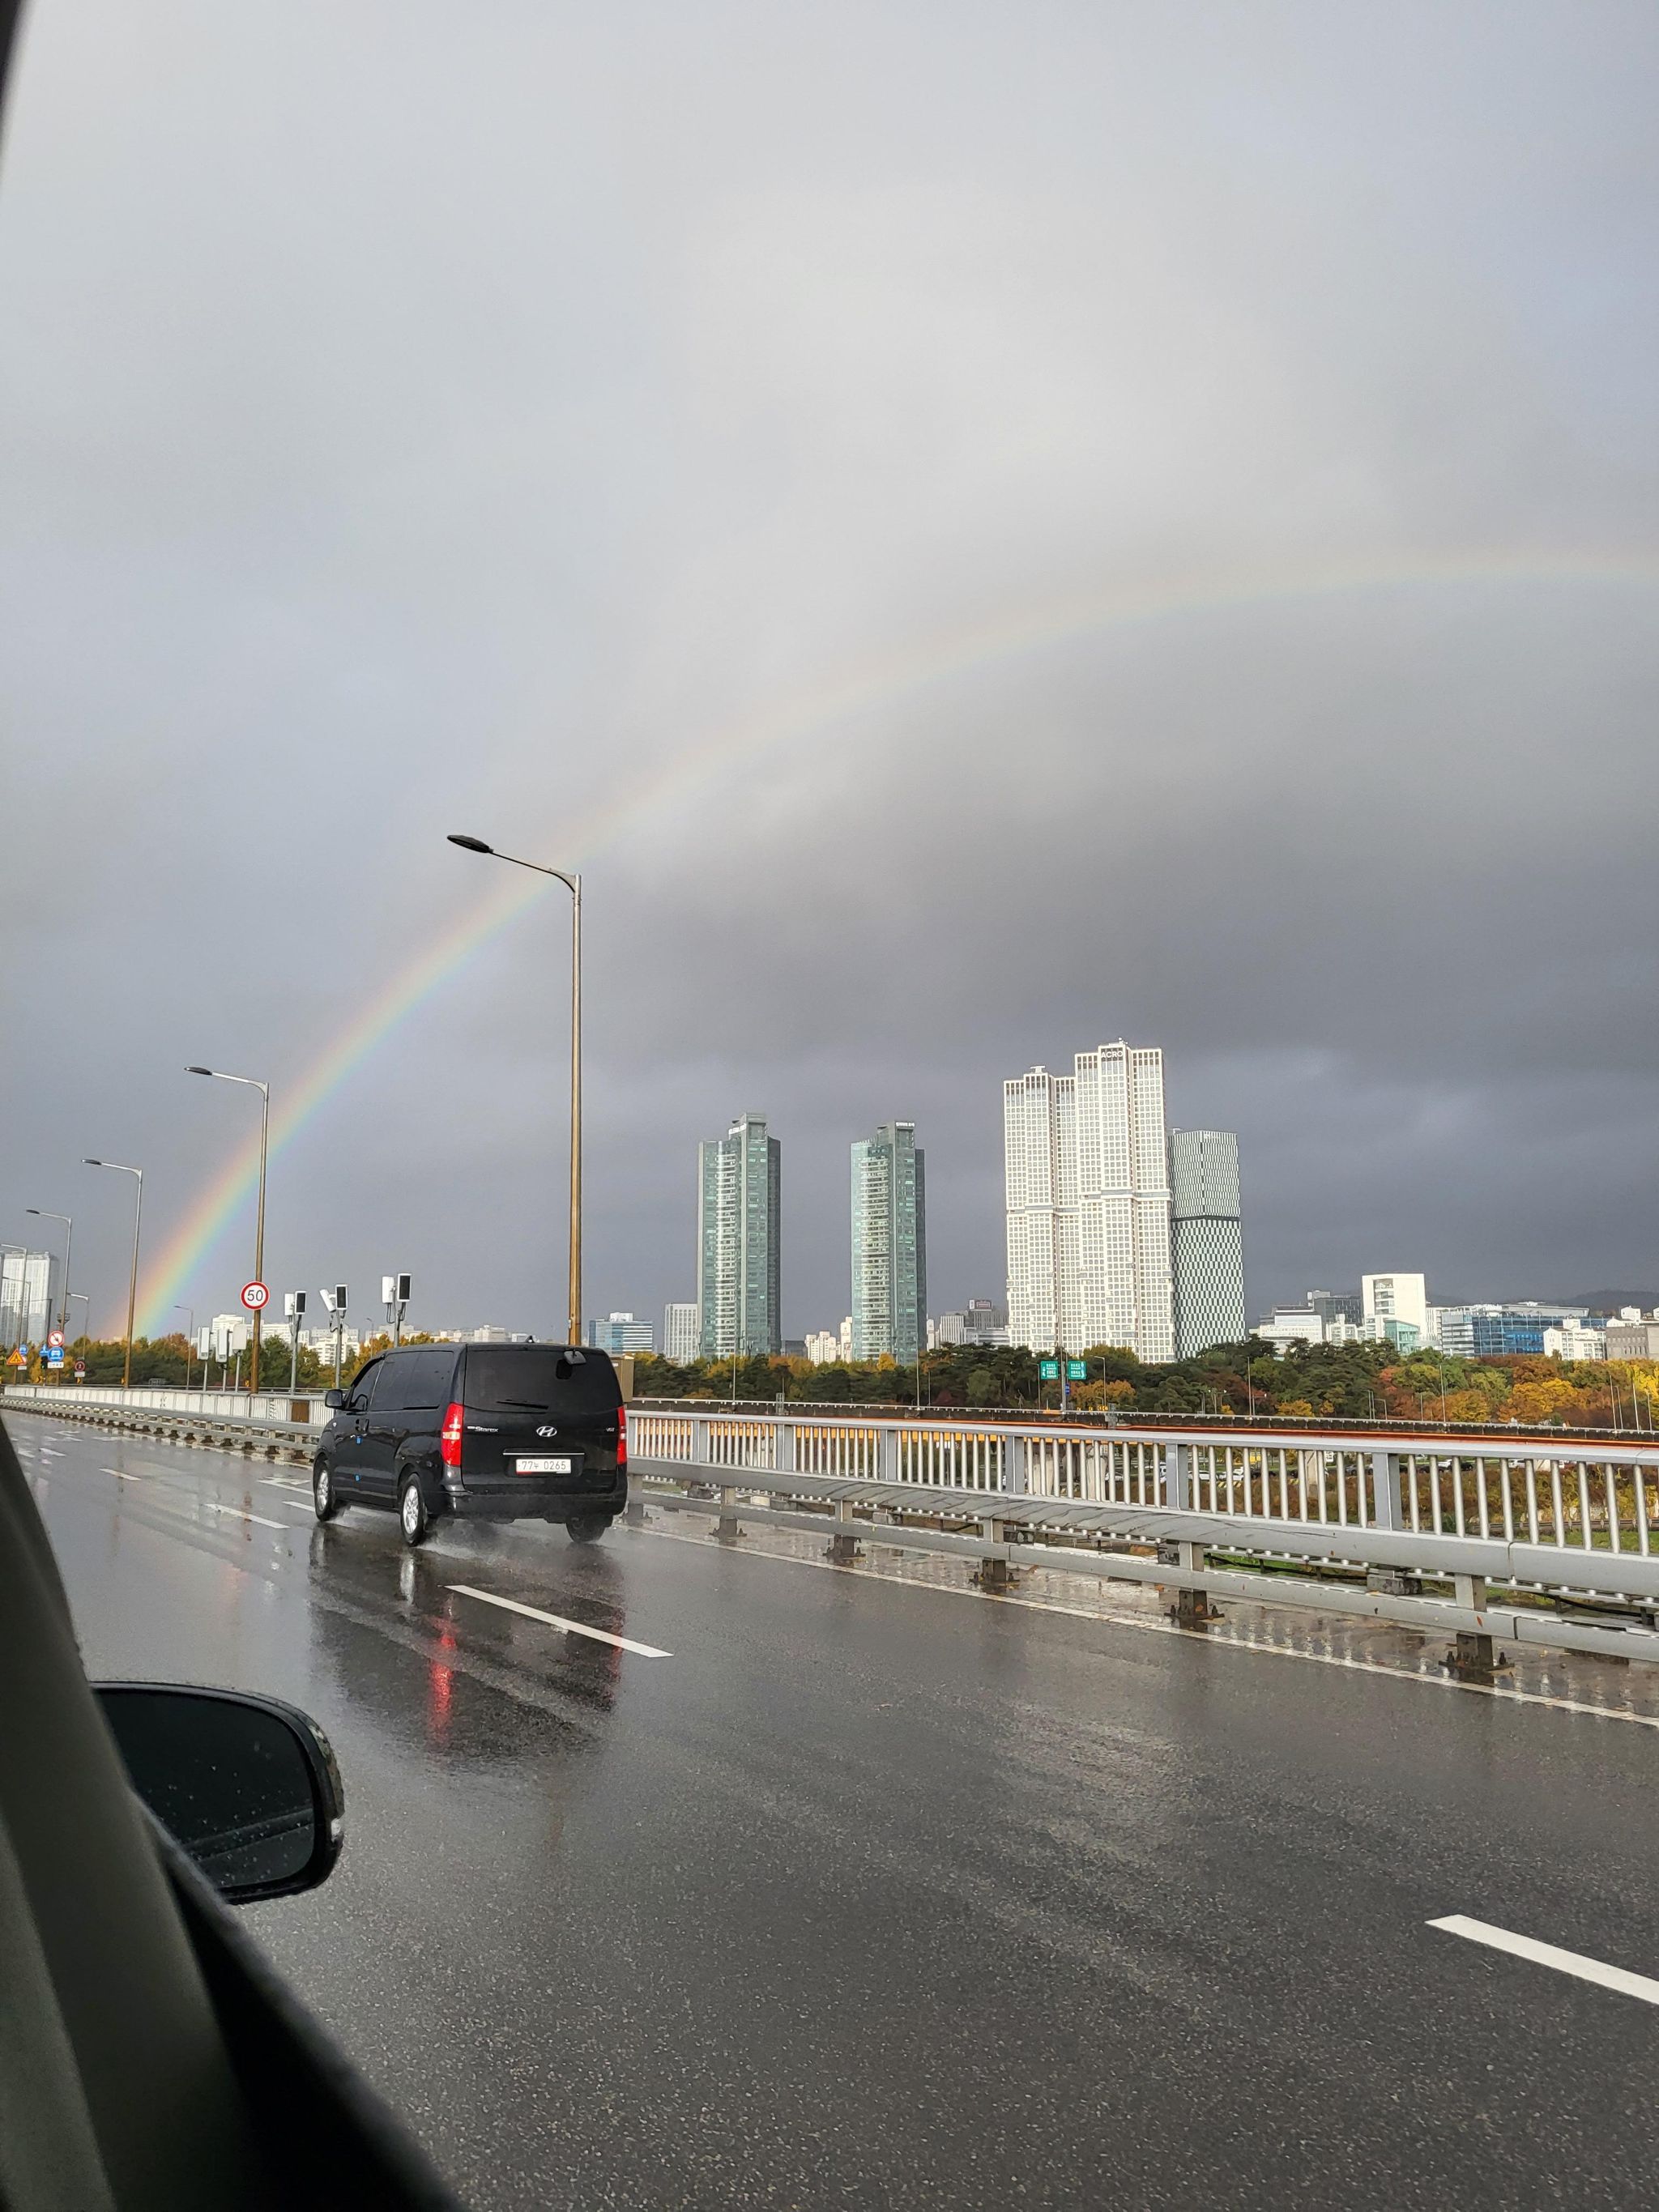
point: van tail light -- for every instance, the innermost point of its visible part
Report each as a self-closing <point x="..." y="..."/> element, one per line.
<point x="622" y="1439"/>
<point x="449" y="1438"/>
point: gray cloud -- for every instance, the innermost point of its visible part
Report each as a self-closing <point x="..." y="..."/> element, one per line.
<point x="409" y="425"/>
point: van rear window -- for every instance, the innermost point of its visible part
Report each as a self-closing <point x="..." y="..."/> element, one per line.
<point x="512" y="1376"/>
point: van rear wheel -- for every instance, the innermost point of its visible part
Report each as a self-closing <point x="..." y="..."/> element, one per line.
<point x="588" y="1528"/>
<point x="322" y="1491"/>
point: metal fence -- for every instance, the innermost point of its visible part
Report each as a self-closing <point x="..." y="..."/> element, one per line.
<point x="1561" y="1529"/>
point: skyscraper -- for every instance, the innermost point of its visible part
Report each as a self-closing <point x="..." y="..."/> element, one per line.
<point x="1206" y="1250"/>
<point x="737" y="1234"/>
<point x="1086" y="1163"/>
<point x="29" y="1296"/>
<point x="890" y="1245"/>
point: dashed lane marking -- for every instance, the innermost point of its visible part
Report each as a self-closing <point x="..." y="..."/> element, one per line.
<point x="558" y="1620"/>
<point x="241" y="1513"/>
<point x="1550" y="1954"/>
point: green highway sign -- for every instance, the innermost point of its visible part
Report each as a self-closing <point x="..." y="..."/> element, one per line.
<point x="1075" y="1370"/>
<point x="1049" y="1371"/>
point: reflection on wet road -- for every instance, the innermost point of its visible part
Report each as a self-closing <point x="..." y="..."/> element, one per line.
<point x="675" y="1876"/>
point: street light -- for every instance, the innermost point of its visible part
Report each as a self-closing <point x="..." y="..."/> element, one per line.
<point x="264" y="1090"/>
<point x="188" y="1341"/>
<point x="42" y="1214"/>
<point x="132" y="1287"/>
<point x="573" y="885"/>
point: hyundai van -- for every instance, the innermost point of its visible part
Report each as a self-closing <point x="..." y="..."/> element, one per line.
<point x="504" y="1431"/>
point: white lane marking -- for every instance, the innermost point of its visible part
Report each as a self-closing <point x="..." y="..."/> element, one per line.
<point x="214" y="1506"/>
<point x="558" y="1620"/>
<point x="1263" y="1648"/>
<point x="299" y="1504"/>
<point x="285" y="1482"/>
<point x="121" y="1475"/>
<point x="1551" y="1954"/>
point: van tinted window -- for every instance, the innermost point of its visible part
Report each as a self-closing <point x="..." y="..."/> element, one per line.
<point x="509" y="1376"/>
<point x="414" y="1379"/>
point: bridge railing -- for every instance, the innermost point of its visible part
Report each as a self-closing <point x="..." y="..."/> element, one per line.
<point x="1599" y="1502"/>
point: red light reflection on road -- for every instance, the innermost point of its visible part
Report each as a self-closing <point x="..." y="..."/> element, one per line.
<point x="439" y="1688"/>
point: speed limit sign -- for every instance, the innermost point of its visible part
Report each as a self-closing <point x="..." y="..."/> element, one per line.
<point x="255" y="1297"/>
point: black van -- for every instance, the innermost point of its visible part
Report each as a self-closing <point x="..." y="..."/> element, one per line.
<point x="512" y="1431"/>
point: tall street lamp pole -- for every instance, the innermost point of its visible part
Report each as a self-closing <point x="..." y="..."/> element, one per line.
<point x="573" y="885"/>
<point x="132" y="1286"/>
<point x="44" y="1213"/>
<point x="264" y="1090"/>
<point x="190" y="1342"/>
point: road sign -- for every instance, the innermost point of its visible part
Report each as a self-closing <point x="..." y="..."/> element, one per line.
<point x="54" y="1355"/>
<point x="55" y="1341"/>
<point x="18" y="1358"/>
<point x="1049" y="1371"/>
<point x="1075" y="1370"/>
<point x="254" y="1296"/>
<point x="80" y="1374"/>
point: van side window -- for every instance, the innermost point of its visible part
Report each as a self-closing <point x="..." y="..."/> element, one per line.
<point x="362" y="1392"/>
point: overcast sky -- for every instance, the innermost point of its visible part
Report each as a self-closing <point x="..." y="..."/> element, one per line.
<point x="982" y="529"/>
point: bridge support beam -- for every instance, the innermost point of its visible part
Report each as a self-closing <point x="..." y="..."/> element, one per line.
<point x="993" y="1575"/>
<point x="842" y="1549"/>
<point x="1473" y="1657"/>
<point x="727" y="1530"/>
<point x="1192" y="1607"/>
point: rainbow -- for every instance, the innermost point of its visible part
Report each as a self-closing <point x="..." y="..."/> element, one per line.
<point x="880" y="682"/>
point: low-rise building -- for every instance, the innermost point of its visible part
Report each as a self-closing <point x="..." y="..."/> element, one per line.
<point x="1288" y="1325"/>
<point x="1575" y="1340"/>
<point x="620" y="1332"/>
<point x="1499" y="1332"/>
<point x="1630" y="1337"/>
<point x="682" y="1328"/>
<point x="981" y="1322"/>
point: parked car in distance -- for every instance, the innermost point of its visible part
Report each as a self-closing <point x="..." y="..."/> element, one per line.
<point x="505" y="1431"/>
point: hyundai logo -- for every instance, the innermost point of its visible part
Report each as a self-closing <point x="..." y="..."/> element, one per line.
<point x="548" y="1431"/>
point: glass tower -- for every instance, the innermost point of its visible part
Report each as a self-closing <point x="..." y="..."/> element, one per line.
<point x="890" y="1245"/>
<point x="739" y="1217"/>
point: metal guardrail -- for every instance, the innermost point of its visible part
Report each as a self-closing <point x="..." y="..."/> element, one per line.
<point x="1557" y="1528"/>
<point x="276" y="1439"/>
<point x="1563" y="1532"/>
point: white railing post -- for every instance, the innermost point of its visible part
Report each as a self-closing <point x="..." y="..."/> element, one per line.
<point x="887" y="1446"/>
<point x="783" y="1446"/>
<point x="700" y="1454"/>
<point x="1178" y="1478"/>
<point x="1015" y="1481"/>
<point x="1388" y="1505"/>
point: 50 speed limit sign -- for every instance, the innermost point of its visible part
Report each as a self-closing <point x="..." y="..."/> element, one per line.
<point x="255" y="1297"/>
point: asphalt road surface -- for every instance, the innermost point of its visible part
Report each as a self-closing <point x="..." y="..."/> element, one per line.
<point x="795" y="1887"/>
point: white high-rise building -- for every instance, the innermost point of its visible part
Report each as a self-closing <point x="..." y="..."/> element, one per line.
<point x="1087" y="1161"/>
<point x="682" y="1328"/>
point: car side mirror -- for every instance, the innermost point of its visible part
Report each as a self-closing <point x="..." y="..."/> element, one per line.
<point x="334" y="1399"/>
<point x="247" y="1787"/>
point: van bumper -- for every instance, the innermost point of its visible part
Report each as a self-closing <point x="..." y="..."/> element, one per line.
<point x="532" y="1501"/>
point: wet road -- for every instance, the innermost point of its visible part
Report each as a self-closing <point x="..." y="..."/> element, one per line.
<point x="863" y="1893"/>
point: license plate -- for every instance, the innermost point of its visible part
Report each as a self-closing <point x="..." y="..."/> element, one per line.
<point x="543" y="1466"/>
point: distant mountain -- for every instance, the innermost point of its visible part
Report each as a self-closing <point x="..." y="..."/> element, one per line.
<point x="1609" y="1302"/>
